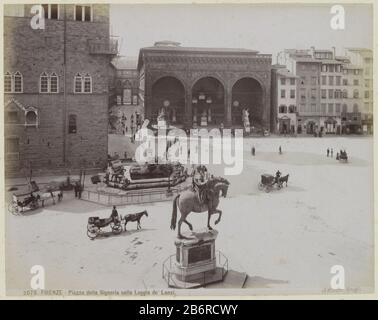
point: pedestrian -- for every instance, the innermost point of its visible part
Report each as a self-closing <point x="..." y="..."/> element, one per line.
<point x="76" y="190"/>
<point x="331" y="152"/>
<point x="337" y="156"/>
<point x="80" y="190"/>
<point x="327" y="152"/>
<point x="280" y="150"/>
<point x="253" y="150"/>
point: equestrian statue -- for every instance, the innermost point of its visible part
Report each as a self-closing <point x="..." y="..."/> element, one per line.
<point x="202" y="197"/>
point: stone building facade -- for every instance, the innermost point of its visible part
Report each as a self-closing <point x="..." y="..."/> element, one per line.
<point x="205" y="87"/>
<point x="284" y="100"/>
<point x="56" y="86"/>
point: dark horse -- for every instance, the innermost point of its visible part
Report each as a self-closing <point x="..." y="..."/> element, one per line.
<point x="284" y="179"/>
<point x="188" y="202"/>
<point x="135" y="217"/>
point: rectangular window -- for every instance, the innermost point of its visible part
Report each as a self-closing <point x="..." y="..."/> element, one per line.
<point x="83" y="13"/>
<point x="78" y="80"/>
<point x="283" y="94"/>
<point x="356" y="82"/>
<point x="324" y="80"/>
<point x="338" y="80"/>
<point x="337" y="107"/>
<point x="330" y="108"/>
<point x="366" y="94"/>
<point x="12" y="145"/>
<point x="330" y="93"/>
<point x="44" y="84"/>
<point x="324" y="93"/>
<point x="7" y="83"/>
<point x="135" y="99"/>
<point x="51" y="11"/>
<point x="87" y="13"/>
<point x="292" y="81"/>
<point x="283" y="81"/>
<point x="87" y="85"/>
<point x="302" y="107"/>
<point x="292" y="94"/>
<point x="303" y="94"/>
<point x="313" y="93"/>
<point x="17" y="83"/>
<point x="323" y="108"/>
<point x="338" y="94"/>
<point x="324" y="68"/>
<point x="54" y="84"/>
<point x="303" y="80"/>
<point x="314" y="80"/>
<point x="79" y="13"/>
<point x="72" y="125"/>
<point x="330" y="80"/>
<point x="331" y="68"/>
<point x="367" y="83"/>
<point x="345" y="82"/>
<point x="313" y="107"/>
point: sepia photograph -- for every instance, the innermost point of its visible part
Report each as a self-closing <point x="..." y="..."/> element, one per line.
<point x="164" y="150"/>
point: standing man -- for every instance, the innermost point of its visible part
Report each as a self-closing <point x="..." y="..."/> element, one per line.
<point x="327" y="152"/>
<point x="280" y="150"/>
<point x="331" y="152"/>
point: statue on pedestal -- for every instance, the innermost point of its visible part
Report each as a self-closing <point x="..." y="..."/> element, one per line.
<point x="189" y="201"/>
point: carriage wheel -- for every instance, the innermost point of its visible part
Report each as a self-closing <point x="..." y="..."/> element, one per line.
<point x="13" y="208"/>
<point x="268" y="189"/>
<point x="116" y="228"/>
<point x="260" y="186"/>
<point x="92" y="232"/>
<point x="279" y="186"/>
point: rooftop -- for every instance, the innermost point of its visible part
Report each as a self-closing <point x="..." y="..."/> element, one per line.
<point x="125" y="63"/>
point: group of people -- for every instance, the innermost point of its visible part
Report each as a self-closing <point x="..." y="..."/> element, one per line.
<point x="340" y="154"/>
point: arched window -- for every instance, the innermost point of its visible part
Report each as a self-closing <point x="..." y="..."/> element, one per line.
<point x="87" y="83"/>
<point x="355" y="93"/>
<point x="31" y="118"/>
<point x="355" y="108"/>
<point x="72" y="125"/>
<point x="18" y="85"/>
<point x="345" y="94"/>
<point x="7" y="82"/>
<point x="78" y="83"/>
<point x="44" y="83"/>
<point x="54" y="83"/>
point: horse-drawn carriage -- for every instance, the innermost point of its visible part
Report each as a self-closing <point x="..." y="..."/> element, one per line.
<point x="95" y="225"/>
<point x="33" y="199"/>
<point x="269" y="182"/>
<point x="343" y="156"/>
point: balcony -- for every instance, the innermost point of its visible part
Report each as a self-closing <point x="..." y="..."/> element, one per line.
<point x="107" y="47"/>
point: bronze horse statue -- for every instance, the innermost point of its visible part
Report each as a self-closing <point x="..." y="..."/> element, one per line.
<point x="188" y="202"/>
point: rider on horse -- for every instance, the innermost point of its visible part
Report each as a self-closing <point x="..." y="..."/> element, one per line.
<point x="199" y="182"/>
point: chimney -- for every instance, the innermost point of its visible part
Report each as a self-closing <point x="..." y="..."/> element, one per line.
<point x="313" y="51"/>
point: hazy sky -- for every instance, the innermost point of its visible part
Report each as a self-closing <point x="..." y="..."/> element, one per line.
<point x="266" y="28"/>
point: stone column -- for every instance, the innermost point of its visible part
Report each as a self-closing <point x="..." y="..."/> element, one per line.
<point x="188" y="108"/>
<point x="227" y="107"/>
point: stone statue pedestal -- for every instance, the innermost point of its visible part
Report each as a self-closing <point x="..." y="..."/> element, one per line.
<point x="196" y="262"/>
